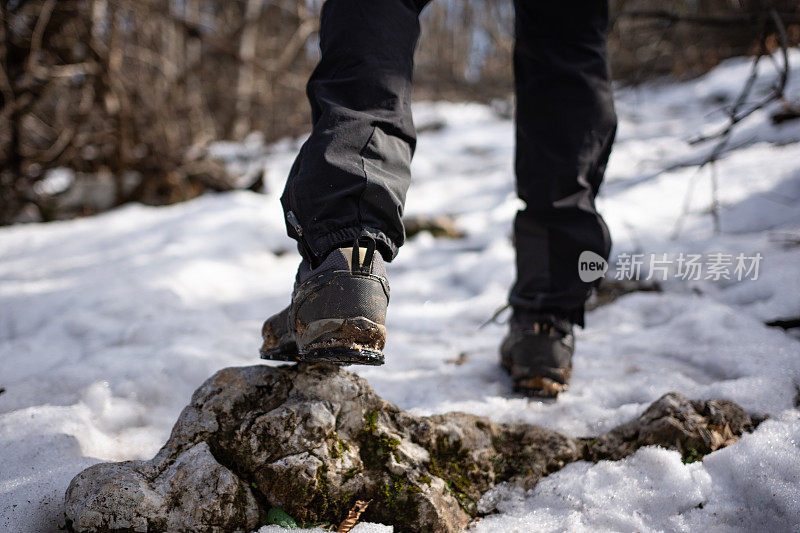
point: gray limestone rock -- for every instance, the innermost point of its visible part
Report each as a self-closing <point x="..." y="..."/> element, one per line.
<point x="313" y="439"/>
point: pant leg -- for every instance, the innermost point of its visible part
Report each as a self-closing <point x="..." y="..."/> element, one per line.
<point x="565" y="126"/>
<point x="352" y="174"/>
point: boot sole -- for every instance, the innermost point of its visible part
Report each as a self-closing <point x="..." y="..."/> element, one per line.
<point x="343" y="341"/>
<point x="539" y="387"/>
<point x="342" y="356"/>
<point x="281" y="354"/>
<point x="535" y="386"/>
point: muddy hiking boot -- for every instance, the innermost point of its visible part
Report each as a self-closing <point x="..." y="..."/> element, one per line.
<point x="537" y="353"/>
<point x="338" y="311"/>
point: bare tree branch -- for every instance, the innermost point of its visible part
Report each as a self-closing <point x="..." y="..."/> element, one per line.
<point x="735" y="116"/>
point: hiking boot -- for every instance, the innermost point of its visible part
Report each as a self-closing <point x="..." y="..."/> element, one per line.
<point x="537" y="353"/>
<point x="338" y="311"/>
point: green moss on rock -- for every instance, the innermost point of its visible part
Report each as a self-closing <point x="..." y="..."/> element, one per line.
<point x="376" y="447"/>
<point x="450" y="461"/>
<point x="399" y="502"/>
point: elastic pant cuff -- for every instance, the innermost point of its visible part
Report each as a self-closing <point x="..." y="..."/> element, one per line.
<point x="325" y="244"/>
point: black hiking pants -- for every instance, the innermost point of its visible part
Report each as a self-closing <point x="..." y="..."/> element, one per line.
<point x="352" y="174"/>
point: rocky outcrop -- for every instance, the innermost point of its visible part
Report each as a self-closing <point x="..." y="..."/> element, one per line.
<point x="314" y="439"/>
<point x="694" y="428"/>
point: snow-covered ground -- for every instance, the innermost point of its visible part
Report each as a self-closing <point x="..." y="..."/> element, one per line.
<point x="107" y="324"/>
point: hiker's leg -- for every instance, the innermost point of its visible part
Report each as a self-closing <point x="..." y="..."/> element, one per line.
<point x="565" y="128"/>
<point x="352" y="174"/>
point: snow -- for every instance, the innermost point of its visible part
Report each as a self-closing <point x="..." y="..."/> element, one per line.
<point x="56" y="180"/>
<point x="107" y="324"/>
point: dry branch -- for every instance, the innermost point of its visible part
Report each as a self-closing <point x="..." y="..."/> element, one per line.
<point x="736" y="114"/>
<point x="743" y="19"/>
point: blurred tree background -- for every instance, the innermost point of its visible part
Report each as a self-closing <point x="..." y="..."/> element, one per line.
<point x="128" y="93"/>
